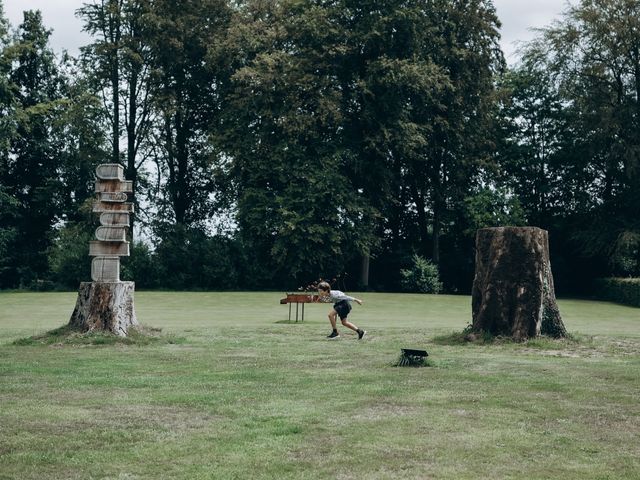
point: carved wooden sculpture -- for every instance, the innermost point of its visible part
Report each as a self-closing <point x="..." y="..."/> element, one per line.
<point x="107" y="303"/>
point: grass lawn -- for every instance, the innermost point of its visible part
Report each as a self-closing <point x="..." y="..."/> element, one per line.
<point x="242" y="394"/>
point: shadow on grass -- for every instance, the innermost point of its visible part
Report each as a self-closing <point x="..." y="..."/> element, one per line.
<point x="468" y="337"/>
<point x="66" y="335"/>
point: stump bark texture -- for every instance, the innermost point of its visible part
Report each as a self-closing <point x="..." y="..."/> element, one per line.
<point x="105" y="306"/>
<point x="513" y="292"/>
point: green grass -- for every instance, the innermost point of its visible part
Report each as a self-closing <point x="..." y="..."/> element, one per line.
<point x="243" y="394"/>
<point x="69" y="336"/>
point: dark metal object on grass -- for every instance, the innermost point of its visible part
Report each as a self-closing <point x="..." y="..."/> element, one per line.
<point x="412" y="358"/>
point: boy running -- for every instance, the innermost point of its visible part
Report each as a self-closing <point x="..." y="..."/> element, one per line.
<point x="341" y="307"/>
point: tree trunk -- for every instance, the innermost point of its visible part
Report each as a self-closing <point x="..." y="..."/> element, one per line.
<point x="364" y="271"/>
<point x="105" y="306"/>
<point x="436" y="234"/>
<point x="513" y="293"/>
<point x="132" y="173"/>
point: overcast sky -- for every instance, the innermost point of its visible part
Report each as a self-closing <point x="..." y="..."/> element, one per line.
<point x="518" y="18"/>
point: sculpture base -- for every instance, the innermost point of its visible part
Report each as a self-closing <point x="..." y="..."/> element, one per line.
<point x="105" y="306"/>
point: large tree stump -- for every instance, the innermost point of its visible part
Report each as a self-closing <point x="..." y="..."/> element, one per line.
<point x="513" y="293"/>
<point x="105" y="306"/>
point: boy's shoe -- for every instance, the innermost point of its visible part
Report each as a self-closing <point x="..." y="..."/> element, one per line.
<point x="334" y="334"/>
<point x="361" y="334"/>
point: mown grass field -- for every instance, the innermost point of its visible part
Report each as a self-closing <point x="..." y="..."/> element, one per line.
<point x="237" y="392"/>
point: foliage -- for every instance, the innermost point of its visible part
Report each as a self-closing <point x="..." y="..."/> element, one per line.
<point x="189" y="259"/>
<point x="186" y="102"/>
<point x="422" y="277"/>
<point x="621" y="290"/>
<point x="625" y="258"/>
<point x="29" y="162"/>
<point x="143" y="268"/>
<point x="285" y="140"/>
<point x="7" y="89"/>
<point x="492" y="208"/>
<point x="534" y="157"/>
<point x="8" y="233"/>
<point x="342" y="142"/>
<point x="69" y="255"/>
<point x="585" y="96"/>
<point x="297" y="210"/>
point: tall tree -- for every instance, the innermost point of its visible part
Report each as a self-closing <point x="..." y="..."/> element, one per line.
<point x="420" y="81"/>
<point x="537" y="133"/>
<point x="104" y="19"/>
<point x="186" y="103"/>
<point x="299" y="215"/>
<point x="392" y="89"/>
<point x="30" y="170"/>
<point x="8" y="202"/>
<point x="82" y="136"/>
<point x="7" y="89"/>
<point x="83" y="143"/>
<point x="462" y="143"/>
<point x="592" y="58"/>
<point x="119" y="63"/>
<point x="400" y="92"/>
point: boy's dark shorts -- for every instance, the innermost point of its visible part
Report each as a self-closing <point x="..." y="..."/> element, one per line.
<point x="343" y="308"/>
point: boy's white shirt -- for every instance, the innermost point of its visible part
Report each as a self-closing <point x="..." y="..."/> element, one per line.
<point x="336" y="296"/>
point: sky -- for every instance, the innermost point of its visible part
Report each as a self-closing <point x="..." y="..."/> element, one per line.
<point x="518" y="18"/>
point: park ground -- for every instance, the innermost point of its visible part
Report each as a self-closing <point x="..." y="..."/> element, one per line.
<point x="232" y="390"/>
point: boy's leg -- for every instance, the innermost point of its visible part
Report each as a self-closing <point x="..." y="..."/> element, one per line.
<point x="348" y="324"/>
<point x="332" y="318"/>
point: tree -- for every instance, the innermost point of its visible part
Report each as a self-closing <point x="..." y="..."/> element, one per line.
<point x="383" y="92"/>
<point x="8" y="202"/>
<point x="392" y="89"/>
<point x="104" y="18"/>
<point x="139" y="88"/>
<point x="7" y="90"/>
<point x="186" y="102"/>
<point x="536" y="136"/>
<point x="82" y="146"/>
<point x="29" y="168"/>
<point x="118" y="63"/>
<point x="584" y="72"/>
<point x="419" y="83"/>
<point x="462" y="142"/>
<point x="298" y="212"/>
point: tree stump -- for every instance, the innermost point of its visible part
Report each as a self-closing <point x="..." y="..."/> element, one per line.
<point x="513" y="293"/>
<point x="105" y="306"/>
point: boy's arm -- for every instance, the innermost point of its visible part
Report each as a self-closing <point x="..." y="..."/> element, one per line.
<point x="338" y="295"/>
<point x="343" y="296"/>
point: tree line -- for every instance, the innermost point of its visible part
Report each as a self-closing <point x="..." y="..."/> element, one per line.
<point x="274" y="142"/>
